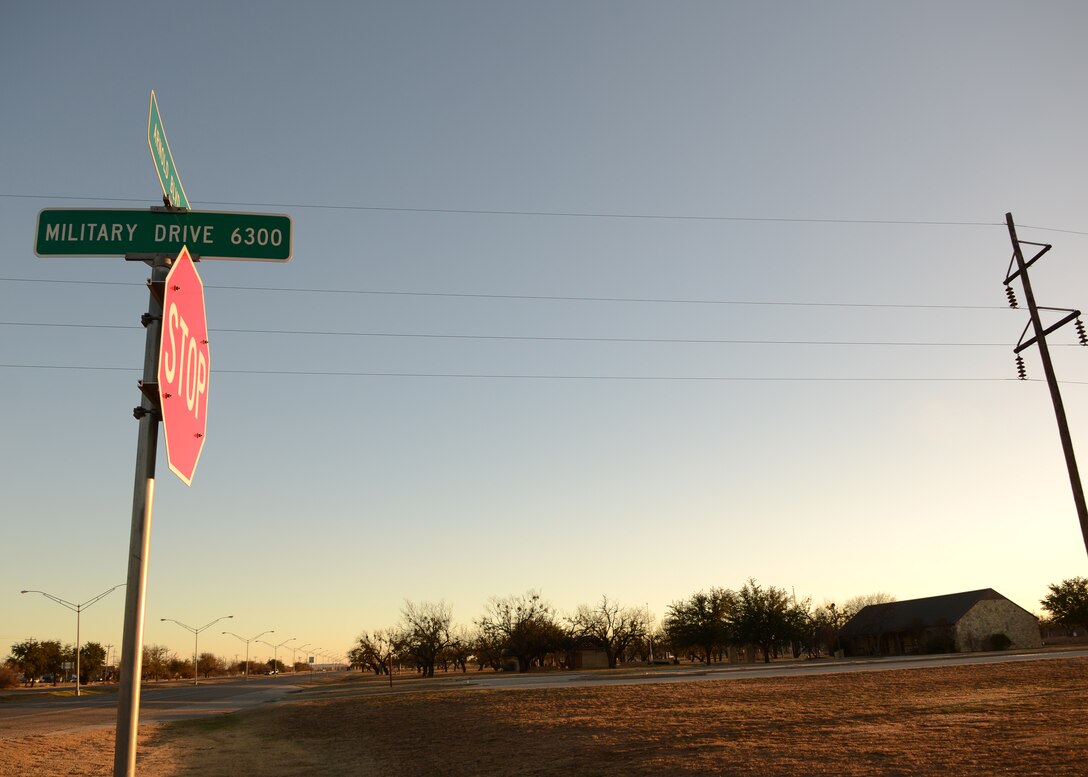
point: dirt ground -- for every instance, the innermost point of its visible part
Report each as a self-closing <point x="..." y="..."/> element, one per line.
<point x="1016" y="718"/>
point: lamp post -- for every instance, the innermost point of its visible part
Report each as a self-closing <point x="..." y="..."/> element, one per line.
<point x="294" y="651"/>
<point x="196" y="640"/>
<point x="245" y="673"/>
<point x="650" y="633"/>
<point x="275" y="652"/>
<point x="77" y="609"/>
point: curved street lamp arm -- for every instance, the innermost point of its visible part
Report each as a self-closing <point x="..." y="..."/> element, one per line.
<point x="58" y="600"/>
<point x="73" y="607"/>
<point x="206" y="625"/>
<point x="188" y="628"/>
<point x="88" y="603"/>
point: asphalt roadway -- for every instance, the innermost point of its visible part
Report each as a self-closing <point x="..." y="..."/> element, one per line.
<point x="38" y="711"/>
<point x="41" y="711"/>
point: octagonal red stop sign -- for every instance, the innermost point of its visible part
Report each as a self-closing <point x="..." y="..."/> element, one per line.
<point x="184" y="366"/>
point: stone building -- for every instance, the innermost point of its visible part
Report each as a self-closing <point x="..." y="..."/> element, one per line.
<point x="954" y="623"/>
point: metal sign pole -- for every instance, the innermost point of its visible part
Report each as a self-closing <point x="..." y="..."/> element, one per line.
<point x="128" y="696"/>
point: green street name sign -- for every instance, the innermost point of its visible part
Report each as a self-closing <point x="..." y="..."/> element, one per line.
<point x="262" y="237"/>
<point x="163" y="159"/>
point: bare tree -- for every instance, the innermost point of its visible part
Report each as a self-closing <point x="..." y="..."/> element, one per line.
<point x="853" y="606"/>
<point x="424" y="632"/>
<point x="487" y="648"/>
<point x="524" y="626"/>
<point x="609" y="626"/>
<point x="459" y="650"/>
<point x="373" y="651"/>
<point x="156" y="660"/>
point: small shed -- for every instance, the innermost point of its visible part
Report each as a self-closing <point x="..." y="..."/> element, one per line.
<point x="954" y="623"/>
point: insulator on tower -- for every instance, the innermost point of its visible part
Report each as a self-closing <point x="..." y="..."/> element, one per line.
<point x="1081" y="334"/>
<point x="1012" y="296"/>
<point x="1021" y="370"/>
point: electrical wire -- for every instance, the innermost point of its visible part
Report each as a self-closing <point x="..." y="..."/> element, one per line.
<point x="563" y="214"/>
<point x="535" y="338"/>
<point x="529" y="376"/>
<point x="538" y="297"/>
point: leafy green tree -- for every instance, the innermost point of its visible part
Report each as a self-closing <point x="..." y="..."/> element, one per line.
<point x="92" y="657"/>
<point x="766" y="618"/>
<point x="701" y="624"/>
<point x="36" y="659"/>
<point x="30" y="657"/>
<point x="1067" y="602"/>
<point x="209" y="664"/>
<point x="610" y="627"/>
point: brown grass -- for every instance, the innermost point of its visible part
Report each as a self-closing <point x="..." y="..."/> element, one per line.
<point x="1017" y="718"/>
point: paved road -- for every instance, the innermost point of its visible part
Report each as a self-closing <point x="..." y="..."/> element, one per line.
<point x="37" y="712"/>
<point x="752" y="671"/>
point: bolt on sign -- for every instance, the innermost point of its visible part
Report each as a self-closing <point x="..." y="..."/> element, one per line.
<point x="184" y="367"/>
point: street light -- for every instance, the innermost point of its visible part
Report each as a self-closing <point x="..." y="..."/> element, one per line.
<point x="245" y="673"/>
<point x="275" y="652"/>
<point x="77" y="609"/>
<point x="650" y="632"/>
<point x="294" y="651"/>
<point x="196" y="640"/>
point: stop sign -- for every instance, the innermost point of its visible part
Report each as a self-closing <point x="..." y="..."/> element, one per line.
<point x="184" y="365"/>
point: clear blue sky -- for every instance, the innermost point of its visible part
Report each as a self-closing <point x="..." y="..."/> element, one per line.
<point x="512" y="224"/>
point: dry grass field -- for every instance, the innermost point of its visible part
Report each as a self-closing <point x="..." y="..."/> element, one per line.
<point x="1016" y="718"/>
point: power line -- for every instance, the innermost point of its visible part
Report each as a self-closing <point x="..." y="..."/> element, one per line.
<point x="535" y="338"/>
<point x="512" y="376"/>
<point x="561" y="214"/>
<point x="536" y="297"/>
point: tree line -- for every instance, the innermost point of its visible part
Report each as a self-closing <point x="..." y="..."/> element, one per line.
<point x="520" y="632"/>
<point x="55" y="662"/>
<point x="32" y="661"/>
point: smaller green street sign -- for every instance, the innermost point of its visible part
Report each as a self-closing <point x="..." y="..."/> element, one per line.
<point x="163" y="159"/>
<point x="126" y="232"/>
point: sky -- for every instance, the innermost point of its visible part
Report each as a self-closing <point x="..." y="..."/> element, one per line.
<point x="615" y="299"/>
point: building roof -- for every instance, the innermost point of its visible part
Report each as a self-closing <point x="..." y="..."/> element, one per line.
<point x="916" y="613"/>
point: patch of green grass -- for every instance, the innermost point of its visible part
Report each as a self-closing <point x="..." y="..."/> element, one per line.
<point x="70" y="692"/>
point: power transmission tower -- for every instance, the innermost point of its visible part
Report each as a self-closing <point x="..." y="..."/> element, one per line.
<point x="1039" y="338"/>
